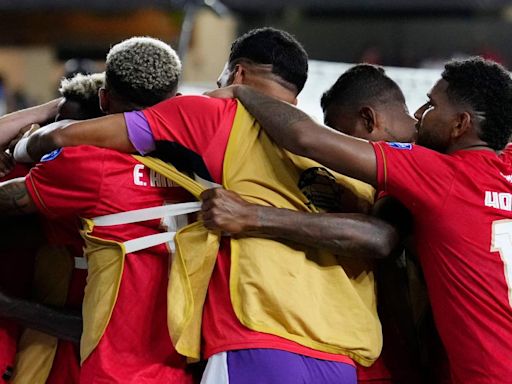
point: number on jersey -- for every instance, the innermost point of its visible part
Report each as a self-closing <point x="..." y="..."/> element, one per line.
<point x="502" y="242"/>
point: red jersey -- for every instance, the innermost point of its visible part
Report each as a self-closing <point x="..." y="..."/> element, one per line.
<point x="506" y="154"/>
<point x="192" y="133"/>
<point x="462" y="209"/>
<point x="89" y="182"/>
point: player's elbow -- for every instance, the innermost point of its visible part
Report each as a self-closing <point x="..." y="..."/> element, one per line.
<point x="384" y="241"/>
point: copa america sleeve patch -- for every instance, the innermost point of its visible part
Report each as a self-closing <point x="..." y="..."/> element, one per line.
<point x="406" y="146"/>
<point x="52" y="155"/>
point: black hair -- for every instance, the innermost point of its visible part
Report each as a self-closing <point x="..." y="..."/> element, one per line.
<point x="268" y="45"/>
<point x="362" y="83"/>
<point x="486" y="87"/>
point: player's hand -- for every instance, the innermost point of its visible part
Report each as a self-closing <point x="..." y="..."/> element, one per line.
<point x="226" y="211"/>
<point x="24" y="132"/>
<point x="223" y="93"/>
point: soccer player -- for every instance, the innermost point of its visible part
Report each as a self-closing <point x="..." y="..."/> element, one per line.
<point x="125" y="337"/>
<point x="457" y="188"/>
<point x="364" y="102"/>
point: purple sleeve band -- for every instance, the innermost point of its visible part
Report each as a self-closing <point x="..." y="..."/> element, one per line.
<point x="139" y="132"/>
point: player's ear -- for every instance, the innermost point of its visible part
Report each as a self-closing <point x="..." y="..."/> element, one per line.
<point x="239" y="74"/>
<point x="369" y="117"/>
<point x="104" y="100"/>
<point x="463" y="123"/>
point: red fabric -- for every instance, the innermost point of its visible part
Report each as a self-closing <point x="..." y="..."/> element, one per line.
<point x="66" y="364"/>
<point x="89" y="182"/>
<point x="506" y="155"/>
<point x="199" y="123"/>
<point x="454" y="223"/>
<point x="62" y="231"/>
<point x="203" y="125"/>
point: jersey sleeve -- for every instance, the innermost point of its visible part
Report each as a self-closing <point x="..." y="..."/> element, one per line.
<point x="67" y="182"/>
<point x="192" y="121"/>
<point x="191" y="132"/>
<point x="419" y="177"/>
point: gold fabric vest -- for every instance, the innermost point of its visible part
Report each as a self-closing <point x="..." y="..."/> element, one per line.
<point x="320" y="300"/>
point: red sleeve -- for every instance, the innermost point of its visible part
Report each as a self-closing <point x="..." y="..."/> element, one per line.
<point x="68" y="182"/>
<point x="419" y="177"/>
<point x="199" y="124"/>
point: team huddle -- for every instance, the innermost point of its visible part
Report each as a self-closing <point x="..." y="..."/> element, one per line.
<point x="153" y="237"/>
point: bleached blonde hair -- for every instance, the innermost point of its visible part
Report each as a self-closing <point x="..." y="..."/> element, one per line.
<point x="81" y="86"/>
<point x="143" y="70"/>
<point x="83" y="89"/>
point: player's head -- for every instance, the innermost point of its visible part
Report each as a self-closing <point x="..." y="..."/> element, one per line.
<point x="469" y="105"/>
<point x="364" y="102"/>
<point x="80" y="97"/>
<point x="266" y="54"/>
<point x="140" y="72"/>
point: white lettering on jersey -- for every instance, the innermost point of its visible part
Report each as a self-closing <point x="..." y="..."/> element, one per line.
<point x="157" y="180"/>
<point x="498" y="200"/>
<point x="140" y="177"/>
<point x="137" y="175"/>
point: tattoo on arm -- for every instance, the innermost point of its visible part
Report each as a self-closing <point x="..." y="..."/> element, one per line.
<point x="14" y="198"/>
<point x="295" y="131"/>
<point x="275" y="116"/>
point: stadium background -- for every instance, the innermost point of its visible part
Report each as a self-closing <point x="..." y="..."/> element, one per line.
<point x="43" y="40"/>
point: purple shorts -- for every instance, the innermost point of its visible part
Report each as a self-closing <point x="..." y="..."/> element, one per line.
<point x="270" y="366"/>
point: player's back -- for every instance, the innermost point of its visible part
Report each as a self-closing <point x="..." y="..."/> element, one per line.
<point x="466" y="249"/>
<point x="133" y="344"/>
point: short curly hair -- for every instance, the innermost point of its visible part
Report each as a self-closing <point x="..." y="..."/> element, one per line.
<point x="268" y="45"/>
<point x="83" y="89"/>
<point x="362" y="83"/>
<point x="486" y="88"/>
<point x="143" y="70"/>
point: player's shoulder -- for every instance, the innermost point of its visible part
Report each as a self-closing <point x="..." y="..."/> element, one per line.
<point x="72" y="158"/>
<point x="194" y="101"/>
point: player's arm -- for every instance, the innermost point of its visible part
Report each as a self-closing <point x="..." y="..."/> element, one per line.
<point x="351" y="234"/>
<point x="107" y="132"/>
<point x="62" y="324"/>
<point x="12" y="123"/>
<point x="14" y="198"/>
<point x="295" y="131"/>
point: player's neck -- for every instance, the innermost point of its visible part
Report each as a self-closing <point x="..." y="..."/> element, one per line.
<point x="471" y="147"/>
<point x="275" y="90"/>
